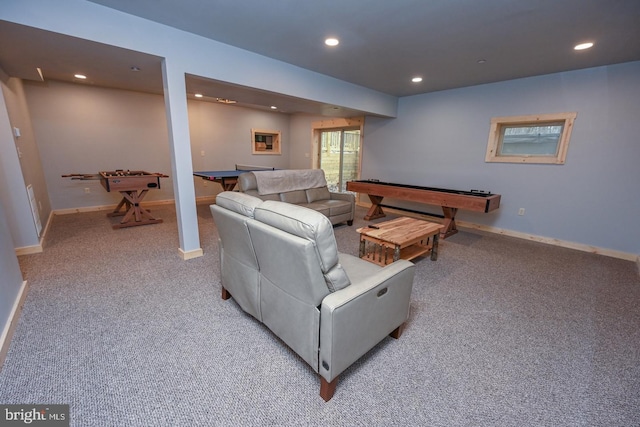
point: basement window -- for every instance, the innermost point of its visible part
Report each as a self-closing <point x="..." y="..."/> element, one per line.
<point x="542" y="138"/>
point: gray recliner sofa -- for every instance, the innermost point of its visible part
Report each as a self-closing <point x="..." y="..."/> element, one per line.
<point x="304" y="187"/>
<point x="281" y="264"/>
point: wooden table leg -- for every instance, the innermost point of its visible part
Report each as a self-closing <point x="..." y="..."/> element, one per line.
<point x="136" y="214"/>
<point x="449" y="222"/>
<point x="396" y="253"/>
<point x="375" y="211"/>
<point x="228" y="184"/>
<point x="123" y="203"/>
<point x="434" y="247"/>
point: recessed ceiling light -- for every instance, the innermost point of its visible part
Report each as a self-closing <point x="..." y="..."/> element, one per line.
<point x="416" y="79"/>
<point x="198" y="95"/>
<point x="332" y="41"/>
<point x="583" y="46"/>
<point x="481" y="61"/>
<point x="80" y="76"/>
<point x="134" y="68"/>
<point x="273" y="107"/>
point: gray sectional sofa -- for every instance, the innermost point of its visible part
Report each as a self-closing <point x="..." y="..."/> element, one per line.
<point x="304" y="187"/>
<point x="281" y="264"/>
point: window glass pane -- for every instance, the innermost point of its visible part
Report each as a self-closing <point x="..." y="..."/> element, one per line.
<point x="538" y="140"/>
<point x="350" y="157"/>
<point x="339" y="157"/>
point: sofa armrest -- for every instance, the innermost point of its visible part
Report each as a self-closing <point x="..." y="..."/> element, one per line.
<point x="343" y="196"/>
<point x="356" y="318"/>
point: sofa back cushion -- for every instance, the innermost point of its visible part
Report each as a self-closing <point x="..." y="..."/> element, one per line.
<point x="247" y="182"/>
<point x="241" y="203"/>
<point x="282" y="181"/>
<point x="320" y="193"/>
<point x="312" y="226"/>
<point x="296" y="197"/>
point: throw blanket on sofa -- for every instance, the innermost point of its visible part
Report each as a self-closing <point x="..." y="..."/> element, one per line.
<point x="281" y="181"/>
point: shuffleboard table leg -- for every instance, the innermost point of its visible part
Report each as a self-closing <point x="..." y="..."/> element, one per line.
<point x="449" y="222"/>
<point x="375" y="211"/>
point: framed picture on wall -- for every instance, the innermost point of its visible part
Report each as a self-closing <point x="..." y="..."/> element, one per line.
<point x="265" y="141"/>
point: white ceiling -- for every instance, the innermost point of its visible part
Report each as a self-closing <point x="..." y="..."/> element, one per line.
<point x="382" y="43"/>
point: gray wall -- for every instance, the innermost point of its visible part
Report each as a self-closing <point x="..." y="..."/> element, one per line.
<point x="300" y="127"/>
<point x="83" y="129"/>
<point x="182" y="54"/>
<point x="13" y="192"/>
<point x="223" y="132"/>
<point x="10" y="274"/>
<point x="440" y="140"/>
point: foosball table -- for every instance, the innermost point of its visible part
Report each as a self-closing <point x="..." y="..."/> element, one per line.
<point x="133" y="185"/>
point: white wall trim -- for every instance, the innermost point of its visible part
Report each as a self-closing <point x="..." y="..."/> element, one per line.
<point x="12" y="321"/>
<point x="195" y="253"/>
<point x="29" y="250"/>
<point x="206" y="199"/>
<point x="534" y="238"/>
<point x="107" y="207"/>
<point x="551" y="241"/>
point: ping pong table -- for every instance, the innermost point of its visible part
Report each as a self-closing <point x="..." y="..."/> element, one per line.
<point x="228" y="178"/>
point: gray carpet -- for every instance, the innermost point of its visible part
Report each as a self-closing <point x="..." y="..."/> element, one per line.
<point x="502" y="332"/>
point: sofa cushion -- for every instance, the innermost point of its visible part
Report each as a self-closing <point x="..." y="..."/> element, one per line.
<point x="311" y="225"/>
<point x="295" y="197"/>
<point x="241" y="203"/>
<point x="331" y="207"/>
<point x="317" y="206"/>
<point x="254" y="193"/>
<point x="321" y="193"/>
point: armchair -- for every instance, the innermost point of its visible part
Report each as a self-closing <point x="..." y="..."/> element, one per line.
<point x="328" y="307"/>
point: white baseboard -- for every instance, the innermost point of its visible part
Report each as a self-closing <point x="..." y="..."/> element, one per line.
<point x="551" y="241"/>
<point x="36" y="249"/>
<point x="12" y="321"/>
<point x="28" y="250"/>
<point x="534" y="238"/>
<point x="206" y="199"/>
<point x="108" y="207"/>
<point x="195" y="253"/>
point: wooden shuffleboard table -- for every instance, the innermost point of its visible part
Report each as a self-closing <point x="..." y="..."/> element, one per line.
<point x="133" y="186"/>
<point x="449" y="200"/>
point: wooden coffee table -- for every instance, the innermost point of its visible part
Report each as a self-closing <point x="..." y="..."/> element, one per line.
<point x="400" y="238"/>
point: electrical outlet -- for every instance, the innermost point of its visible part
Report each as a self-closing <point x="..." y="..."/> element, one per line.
<point x="521" y="211"/>
<point x="87" y="190"/>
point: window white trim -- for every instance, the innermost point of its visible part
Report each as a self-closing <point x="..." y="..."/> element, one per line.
<point x="495" y="138"/>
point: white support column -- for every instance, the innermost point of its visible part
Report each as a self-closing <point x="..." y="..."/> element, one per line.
<point x="175" y="99"/>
